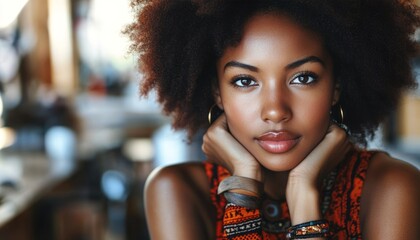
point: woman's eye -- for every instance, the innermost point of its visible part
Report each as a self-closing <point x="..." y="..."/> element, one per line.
<point x="244" y="82"/>
<point x="304" y="78"/>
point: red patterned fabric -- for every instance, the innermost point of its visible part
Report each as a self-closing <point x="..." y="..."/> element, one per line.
<point x="341" y="204"/>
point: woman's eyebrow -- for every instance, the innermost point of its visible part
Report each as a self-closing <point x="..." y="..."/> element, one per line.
<point x="292" y="65"/>
<point x="241" y="65"/>
<point x="302" y="61"/>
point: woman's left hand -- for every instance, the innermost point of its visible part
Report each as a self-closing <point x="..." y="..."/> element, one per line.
<point x="323" y="158"/>
<point x="302" y="191"/>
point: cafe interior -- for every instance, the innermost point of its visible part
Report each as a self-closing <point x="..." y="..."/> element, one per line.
<point x="77" y="141"/>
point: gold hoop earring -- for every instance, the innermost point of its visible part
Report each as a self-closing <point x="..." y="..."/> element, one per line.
<point x="341" y="114"/>
<point x="340" y="122"/>
<point x="214" y="113"/>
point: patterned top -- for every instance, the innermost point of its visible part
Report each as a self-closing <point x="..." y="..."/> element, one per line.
<point x="340" y="206"/>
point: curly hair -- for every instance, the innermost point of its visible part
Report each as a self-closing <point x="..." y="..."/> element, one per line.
<point x="370" y="41"/>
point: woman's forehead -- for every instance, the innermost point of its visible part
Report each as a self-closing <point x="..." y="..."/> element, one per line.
<point x="277" y="37"/>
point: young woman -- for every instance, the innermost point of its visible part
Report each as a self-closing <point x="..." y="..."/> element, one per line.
<point x="298" y="86"/>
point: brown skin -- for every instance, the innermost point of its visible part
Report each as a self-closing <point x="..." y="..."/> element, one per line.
<point x="277" y="100"/>
<point x="178" y="204"/>
<point x="389" y="203"/>
<point x="270" y="94"/>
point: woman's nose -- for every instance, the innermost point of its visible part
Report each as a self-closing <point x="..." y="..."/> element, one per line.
<point x="276" y="106"/>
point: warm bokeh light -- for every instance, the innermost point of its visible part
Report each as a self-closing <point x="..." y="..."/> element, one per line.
<point x="9" y="11"/>
<point x="7" y="137"/>
<point x="139" y="149"/>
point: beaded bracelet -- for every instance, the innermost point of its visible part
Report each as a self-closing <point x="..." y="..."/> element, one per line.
<point x="312" y="229"/>
<point x="243" y="200"/>
<point x="243" y="183"/>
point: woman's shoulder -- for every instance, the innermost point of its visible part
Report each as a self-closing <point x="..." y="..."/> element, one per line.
<point x="179" y="193"/>
<point x="386" y="171"/>
<point x="388" y="175"/>
<point x="379" y="166"/>
<point x="178" y="176"/>
<point x="391" y="197"/>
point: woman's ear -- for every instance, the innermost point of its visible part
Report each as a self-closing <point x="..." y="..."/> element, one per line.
<point x="336" y="94"/>
<point x="217" y="97"/>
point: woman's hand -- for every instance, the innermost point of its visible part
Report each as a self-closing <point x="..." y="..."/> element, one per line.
<point x="302" y="191"/>
<point x="222" y="148"/>
<point x="323" y="158"/>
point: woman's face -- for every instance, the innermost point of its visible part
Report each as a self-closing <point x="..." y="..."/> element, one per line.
<point x="276" y="88"/>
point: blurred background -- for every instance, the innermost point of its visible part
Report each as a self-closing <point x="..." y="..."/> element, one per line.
<point x="76" y="140"/>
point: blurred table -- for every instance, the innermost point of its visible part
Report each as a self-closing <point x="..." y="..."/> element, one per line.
<point x="31" y="175"/>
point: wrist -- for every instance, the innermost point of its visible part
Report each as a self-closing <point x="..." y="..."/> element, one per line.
<point x="304" y="203"/>
<point x="298" y="187"/>
<point x="249" y="172"/>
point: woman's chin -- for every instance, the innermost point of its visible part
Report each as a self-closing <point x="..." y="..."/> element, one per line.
<point x="279" y="165"/>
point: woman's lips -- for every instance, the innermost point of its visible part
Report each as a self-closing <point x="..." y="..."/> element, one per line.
<point x="278" y="142"/>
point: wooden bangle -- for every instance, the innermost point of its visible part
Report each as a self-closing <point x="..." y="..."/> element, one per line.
<point x="243" y="183"/>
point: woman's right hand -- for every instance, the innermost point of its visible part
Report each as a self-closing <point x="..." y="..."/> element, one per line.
<point x="222" y="148"/>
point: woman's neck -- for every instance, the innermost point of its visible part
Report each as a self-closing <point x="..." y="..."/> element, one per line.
<point x="275" y="184"/>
